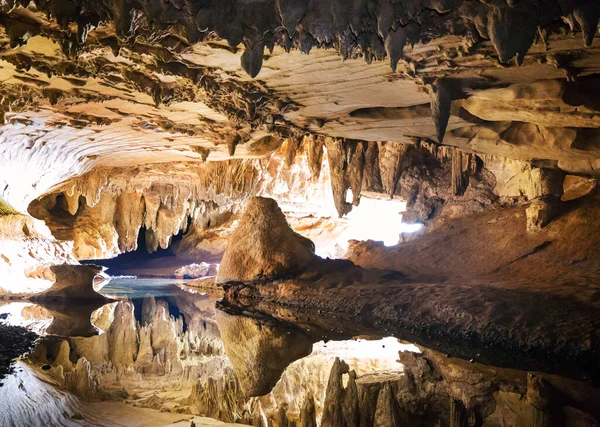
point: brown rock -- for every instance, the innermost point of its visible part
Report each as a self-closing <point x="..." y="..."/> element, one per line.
<point x="260" y="351"/>
<point x="264" y="246"/>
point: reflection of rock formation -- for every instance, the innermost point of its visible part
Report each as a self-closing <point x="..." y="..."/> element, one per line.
<point x="150" y="361"/>
<point x="68" y="319"/>
<point x="71" y="281"/>
<point x="27" y="249"/>
<point x="436" y="390"/>
<point x="260" y="351"/>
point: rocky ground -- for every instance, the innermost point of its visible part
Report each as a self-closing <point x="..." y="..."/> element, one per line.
<point x="15" y="341"/>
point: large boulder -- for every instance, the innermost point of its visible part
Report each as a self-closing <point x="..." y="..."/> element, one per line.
<point x="264" y="246"/>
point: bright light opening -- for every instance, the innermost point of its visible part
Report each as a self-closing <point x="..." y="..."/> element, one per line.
<point x="373" y="219"/>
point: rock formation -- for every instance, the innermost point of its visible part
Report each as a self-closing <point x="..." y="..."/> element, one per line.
<point x="251" y="254"/>
<point x="260" y="352"/>
<point x="201" y="131"/>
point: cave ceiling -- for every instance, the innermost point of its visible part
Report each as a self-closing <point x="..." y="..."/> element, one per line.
<point x="90" y="84"/>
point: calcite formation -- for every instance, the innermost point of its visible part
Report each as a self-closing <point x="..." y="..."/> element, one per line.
<point x="158" y="123"/>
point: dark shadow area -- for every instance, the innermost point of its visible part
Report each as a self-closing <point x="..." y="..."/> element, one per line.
<point x="160" y="263"/>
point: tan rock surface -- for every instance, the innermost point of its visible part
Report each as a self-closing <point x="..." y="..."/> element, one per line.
<point x="264" y="246"/>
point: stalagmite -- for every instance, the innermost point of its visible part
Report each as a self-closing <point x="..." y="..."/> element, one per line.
<point x="386" y="414"/>
<point x="62" y="358"/>
<point x="351" y="408"/>
<point x="123" y="338"/>
<point x="308" y="416"/>
<point x="144" y="357"/>
<point x="333" y="407"/>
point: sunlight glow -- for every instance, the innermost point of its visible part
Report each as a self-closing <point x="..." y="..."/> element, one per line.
<point x="373" y="219"/>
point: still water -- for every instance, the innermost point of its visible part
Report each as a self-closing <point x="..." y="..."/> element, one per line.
<point x="160" y="353"/>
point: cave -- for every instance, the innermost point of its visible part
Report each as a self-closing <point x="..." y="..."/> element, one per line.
<point x="294" y="213"/>
<point x="140" y="261"/>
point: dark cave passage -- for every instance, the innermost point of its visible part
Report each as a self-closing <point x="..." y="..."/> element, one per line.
<point x="140" y="262"/>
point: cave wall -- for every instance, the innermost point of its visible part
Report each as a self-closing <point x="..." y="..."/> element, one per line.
<point x="103" y="211"/>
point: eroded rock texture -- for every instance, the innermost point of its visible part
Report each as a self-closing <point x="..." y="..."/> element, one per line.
<point x="252" y="254"/>
<point x="168" y="118"/>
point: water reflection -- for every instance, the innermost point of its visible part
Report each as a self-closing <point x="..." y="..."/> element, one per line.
<point x="162" y="347"/>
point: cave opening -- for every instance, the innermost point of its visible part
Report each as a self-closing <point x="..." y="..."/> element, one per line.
<point x="141" y="262"/>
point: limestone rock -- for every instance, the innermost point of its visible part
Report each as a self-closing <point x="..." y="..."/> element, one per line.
<point x="540" y="213"/>
<point x="82" y="381"/>
<point x="62" y="358"/>
<point x="575" y="187"/>
<point x="308" y="417"/>
<point x="72" y="281"/>
<point x="122" y="337"/>
<point x="386" y="413"/>
<point x="264" y="246"/>
<point x="334" y="414"/>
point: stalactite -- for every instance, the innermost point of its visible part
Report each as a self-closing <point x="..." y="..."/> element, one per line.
<point x="315" y="155"/>
<point x="459" y="416"/>
<point x="394" y="45"/>
<point x="336" y="156"/>
<point x="440" y="103"/>
<point x="356" y="166"/>
<point x="391" y="165"/>
<point x="232" y="143"/>
<point x="252" y="58"/>
<point x="461" y="162"/>
<point x="291" y="147"/>
<point x="128" y="216"/>
<point x="371" y="173"/>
